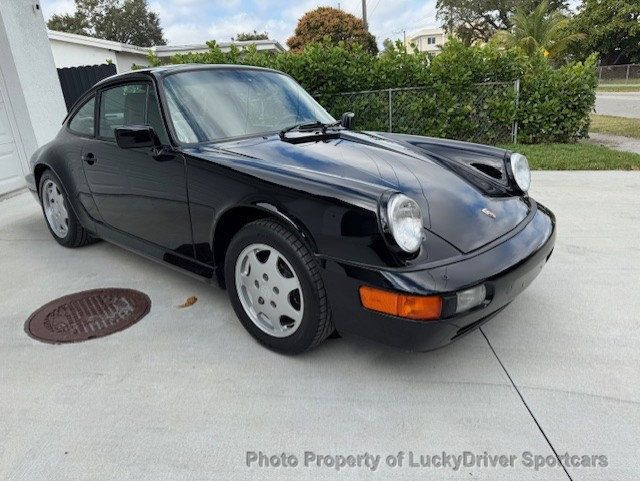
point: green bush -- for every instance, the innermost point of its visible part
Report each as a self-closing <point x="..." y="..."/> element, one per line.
<point x="554" y="104"/>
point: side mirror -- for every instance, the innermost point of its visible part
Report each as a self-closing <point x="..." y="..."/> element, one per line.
<point x="136" y="136"/>
<point x="347" y="120"/>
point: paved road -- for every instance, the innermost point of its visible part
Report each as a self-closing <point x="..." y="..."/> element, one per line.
<point x="184" y="393"/>
<point x="620" y="104"/>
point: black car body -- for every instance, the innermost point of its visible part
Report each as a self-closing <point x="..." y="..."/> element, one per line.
<point x="183" y="203"/>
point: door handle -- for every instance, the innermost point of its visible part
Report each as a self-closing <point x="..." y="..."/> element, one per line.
<point x="89" y="158"/>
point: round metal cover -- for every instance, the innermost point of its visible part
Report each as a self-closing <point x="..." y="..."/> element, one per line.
<point x="88" y="314"/>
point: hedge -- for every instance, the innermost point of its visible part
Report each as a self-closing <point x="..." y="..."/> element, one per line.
<point x="554" y="103"/>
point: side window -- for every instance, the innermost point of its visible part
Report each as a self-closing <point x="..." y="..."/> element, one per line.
<point x="131" y="104"/>
<point x="123" y="105"/>
<point x="82" y="122"/>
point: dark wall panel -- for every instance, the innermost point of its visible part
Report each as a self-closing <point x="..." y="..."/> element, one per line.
<point x="77" y="80"/>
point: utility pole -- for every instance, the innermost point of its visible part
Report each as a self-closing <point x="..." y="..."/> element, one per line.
<point x="364" y="14"/>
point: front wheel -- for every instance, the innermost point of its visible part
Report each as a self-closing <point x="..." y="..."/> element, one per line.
<point x="275" y="287"/>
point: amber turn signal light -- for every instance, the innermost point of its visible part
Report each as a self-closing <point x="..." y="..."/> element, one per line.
<point x="423" y="308"/>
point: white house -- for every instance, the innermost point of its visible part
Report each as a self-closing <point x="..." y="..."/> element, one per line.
<point x="428" y="40"/>
<point x="71" y="50"/>
<point x="166" y="51"/>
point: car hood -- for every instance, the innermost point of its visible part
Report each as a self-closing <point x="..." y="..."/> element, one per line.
<point x="452" y="206"/>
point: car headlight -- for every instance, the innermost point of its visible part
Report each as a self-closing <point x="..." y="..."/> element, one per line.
<point x="520" y="171"/>
<point x="405" y="222"/>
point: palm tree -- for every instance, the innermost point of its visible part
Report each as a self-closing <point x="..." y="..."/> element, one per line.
<point x="539" y="29"/>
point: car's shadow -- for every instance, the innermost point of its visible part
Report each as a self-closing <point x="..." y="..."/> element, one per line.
<point x="155" y="279"/>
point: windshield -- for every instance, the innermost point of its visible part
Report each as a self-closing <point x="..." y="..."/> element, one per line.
<point x="209" y="105"/>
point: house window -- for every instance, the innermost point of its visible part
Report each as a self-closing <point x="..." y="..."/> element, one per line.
<point x="431" y="40"/>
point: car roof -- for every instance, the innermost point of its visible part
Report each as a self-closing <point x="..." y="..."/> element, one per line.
<point x="170" y="69"/>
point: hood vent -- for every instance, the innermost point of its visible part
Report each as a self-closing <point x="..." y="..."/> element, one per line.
<point x="489" y="170"/>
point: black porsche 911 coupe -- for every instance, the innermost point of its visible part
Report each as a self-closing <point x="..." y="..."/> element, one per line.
<point x="238" y="176"/>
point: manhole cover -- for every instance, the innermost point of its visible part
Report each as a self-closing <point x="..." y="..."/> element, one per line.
<point x="88" y="314"/>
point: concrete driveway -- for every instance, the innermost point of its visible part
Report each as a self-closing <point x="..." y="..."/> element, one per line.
<point x="619" y="104"/>
<point x="185" y="393"/>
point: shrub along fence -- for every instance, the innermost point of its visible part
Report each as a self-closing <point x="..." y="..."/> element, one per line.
<point x="484" y="113"/>
<point x="465" y="92"/>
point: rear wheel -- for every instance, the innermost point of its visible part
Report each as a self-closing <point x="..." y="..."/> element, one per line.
<point x="275" y="287"/>
<point x="61" y="220"/>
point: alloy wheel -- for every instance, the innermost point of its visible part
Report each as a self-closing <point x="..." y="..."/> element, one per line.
<point x="54" y="208"/>
<point x="269" y="290"/>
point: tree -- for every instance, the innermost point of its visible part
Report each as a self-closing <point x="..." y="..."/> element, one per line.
<point x="75" y="23"/>
<point x="543" y="28"/>
<point x="388" y="45"/>
<point x="332" y="24"/>
<point x="473" y="20"/>
<point x="613" y="28"/>
<point x="246" y="36"/>
<point x="126" y="21"/>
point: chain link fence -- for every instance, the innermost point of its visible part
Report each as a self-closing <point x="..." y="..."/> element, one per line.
<point x="483" y="113"/>
<point x="619" y="74"/>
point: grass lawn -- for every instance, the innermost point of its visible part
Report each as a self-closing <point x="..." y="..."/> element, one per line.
<point x="618" y="88"/>
<point x="606" y="124"/>
<point x="578" y="156"/>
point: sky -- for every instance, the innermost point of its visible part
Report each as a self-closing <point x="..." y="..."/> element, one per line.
<point x="196" y="21"/>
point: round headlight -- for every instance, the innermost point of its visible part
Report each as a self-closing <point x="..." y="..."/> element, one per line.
<point x="405" y="222"/>
<point x="521" y="172"/>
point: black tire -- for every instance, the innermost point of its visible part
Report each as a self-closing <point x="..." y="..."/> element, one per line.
<point x="316" y="324"/>
<point x="76" y="235"/>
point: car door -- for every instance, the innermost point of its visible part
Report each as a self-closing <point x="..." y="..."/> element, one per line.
<point x="135" y="190"/>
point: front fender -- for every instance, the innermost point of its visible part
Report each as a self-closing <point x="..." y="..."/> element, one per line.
<point x="337" y="218"/>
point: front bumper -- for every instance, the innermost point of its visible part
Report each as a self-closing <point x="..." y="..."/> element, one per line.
<point x="505" y="268"/>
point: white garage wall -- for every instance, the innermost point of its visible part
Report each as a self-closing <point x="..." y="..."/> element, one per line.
<point x="125" y="61"/>
<point x="70" y="50"/>
<point x="11" y="152"/>
<point x="67" y="54"/>
<point x="32" y="95"/>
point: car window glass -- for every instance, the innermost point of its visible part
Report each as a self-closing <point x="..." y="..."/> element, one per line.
<point x="207" y="105"/>
<point x="123" y="105"/>
<point x="180" y="122"/>
<point x="154" y="118"/>
<point x="82" y="121"/>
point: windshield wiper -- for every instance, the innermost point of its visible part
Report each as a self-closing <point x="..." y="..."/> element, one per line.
<point x="309" y="126"/>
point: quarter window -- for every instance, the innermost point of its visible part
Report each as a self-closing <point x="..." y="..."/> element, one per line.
<point x="131" y="104"/>
<point x="83" y="120"/>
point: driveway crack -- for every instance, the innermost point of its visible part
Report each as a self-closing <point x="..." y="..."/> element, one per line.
<point x="555" y="453"/>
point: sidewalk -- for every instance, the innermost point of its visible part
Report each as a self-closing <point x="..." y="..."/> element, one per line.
<point x="616" y="142"/>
